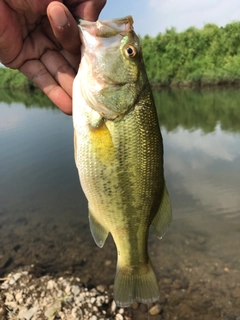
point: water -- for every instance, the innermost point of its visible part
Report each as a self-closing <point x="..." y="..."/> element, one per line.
<point x="37" y="159"/>
<point x="43" y="212"/>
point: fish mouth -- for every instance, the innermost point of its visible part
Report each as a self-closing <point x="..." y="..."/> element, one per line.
<point x="107" y="28"/>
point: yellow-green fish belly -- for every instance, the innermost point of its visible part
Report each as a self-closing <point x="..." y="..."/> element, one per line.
<point x="121" y="172"/>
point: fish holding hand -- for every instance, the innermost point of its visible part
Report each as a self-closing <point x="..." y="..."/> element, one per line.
<point x="119" y="152"/>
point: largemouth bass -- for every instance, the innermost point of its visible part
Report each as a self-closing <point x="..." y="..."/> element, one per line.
<point x="119" y="152"/>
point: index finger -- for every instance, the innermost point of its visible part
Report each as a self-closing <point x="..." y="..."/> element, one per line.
<point x="89" y="10"/>
<point x="10" y="34"/>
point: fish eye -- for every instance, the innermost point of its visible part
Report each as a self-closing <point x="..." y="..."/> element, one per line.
<point x="130" y="51"/>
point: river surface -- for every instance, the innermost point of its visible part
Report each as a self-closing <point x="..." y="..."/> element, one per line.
<point x="43" y="211"/>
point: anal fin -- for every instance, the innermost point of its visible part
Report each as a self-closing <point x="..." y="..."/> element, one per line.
<point x="163" y="217"/>
<point x="99" y="233"/>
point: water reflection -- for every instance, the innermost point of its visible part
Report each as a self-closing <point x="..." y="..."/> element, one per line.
<point x="37" y="167"/>
<point x="201" y="130"/>
<point x="30" y="99"/>
<point x="199" y="109"/>
<point x="204" y="167"/>
<point x="43" y="212"/>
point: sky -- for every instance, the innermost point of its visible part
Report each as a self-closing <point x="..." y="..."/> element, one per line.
<point x="154" y="16"/>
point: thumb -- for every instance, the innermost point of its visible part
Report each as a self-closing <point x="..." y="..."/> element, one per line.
<point x="64" y="27"/>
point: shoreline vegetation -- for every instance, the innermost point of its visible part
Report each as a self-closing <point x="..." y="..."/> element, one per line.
<point x="194" y="58"/>
<point x="213" y="106"/>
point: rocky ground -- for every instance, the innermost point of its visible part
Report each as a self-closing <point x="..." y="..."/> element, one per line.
<point x="26" y="297"/>
<point x="68" y="277"/>
<point x="29" y="298"/>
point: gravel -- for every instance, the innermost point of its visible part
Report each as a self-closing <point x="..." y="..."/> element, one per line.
<point x="25" y="297"/>
<point x="71" y="278"/>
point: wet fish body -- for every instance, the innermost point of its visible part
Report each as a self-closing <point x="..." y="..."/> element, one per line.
<point x="119" y="153"/>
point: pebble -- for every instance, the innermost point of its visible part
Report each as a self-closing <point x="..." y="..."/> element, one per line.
<point x="135" y="305"/>
<point x="2" y="312"/>
<point x="162" y="299"/>
<point x="143" y="308"/>
<point x="155" y="310"/>
<point x="56" y="305"/>
<point x="101" y="288"/>
<point x="18" y="275"/>
<point x="51" y="285"/>
<point x="93" y="299"/>
<point x="18" y="296"/>
<point x="12" y="281"/>
<point x="119" y="316"/>
<point x="75" y="290"/>
<point x="113" y="306"/>
<point x="75" y="312"/>
<point x="28" y="301"/>
<point x="26" y="297"/>
<point x="107" y="263"/>
<point x="59" y="294"/>
<point x="68" y="289"/>
<point x="28" y="314"/>
<point x="99" y="300"/>
<point x="177" y="284"/>
<point x="167" y="281"/>
<point x="176" y="297"/>
<point x="9" y="297"/>
<point x="4" y="286"/>
<point x="121" y="311"/>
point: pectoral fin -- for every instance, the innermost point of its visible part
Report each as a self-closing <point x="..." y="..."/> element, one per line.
<point x="99" y="233"/>
<point x="163" y="217"/>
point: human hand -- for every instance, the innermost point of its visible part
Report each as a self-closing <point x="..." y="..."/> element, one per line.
<point x="41" y="39"/>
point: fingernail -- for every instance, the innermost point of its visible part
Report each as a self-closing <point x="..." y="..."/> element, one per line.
<point x="58" y="16"/>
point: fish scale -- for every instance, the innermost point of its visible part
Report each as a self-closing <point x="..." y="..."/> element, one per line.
<point x="119" y="153"/>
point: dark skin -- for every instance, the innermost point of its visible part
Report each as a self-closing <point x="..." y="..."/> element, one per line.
<point x="40" y="38"/>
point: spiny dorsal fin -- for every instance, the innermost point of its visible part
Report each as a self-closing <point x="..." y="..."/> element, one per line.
<point x="99" y="233"/>
<point x="163" y="217"/>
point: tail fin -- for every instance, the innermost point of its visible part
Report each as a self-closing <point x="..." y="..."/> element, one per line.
<point x="135" y="283"/>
